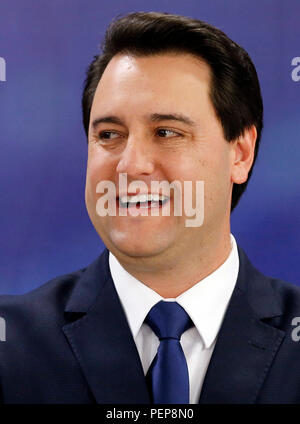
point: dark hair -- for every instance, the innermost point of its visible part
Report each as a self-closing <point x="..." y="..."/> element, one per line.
<point x="234" y="92"/>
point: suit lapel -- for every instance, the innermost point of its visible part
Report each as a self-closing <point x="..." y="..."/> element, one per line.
<point x="246" y="345"/>
<point x="101" y="339"/>
<point x="104" y="347"/>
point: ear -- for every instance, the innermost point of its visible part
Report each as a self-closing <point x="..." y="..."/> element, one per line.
<point x="243" y="155"/>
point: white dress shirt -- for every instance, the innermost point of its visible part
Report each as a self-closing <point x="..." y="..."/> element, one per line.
<point x="206" y="303"/>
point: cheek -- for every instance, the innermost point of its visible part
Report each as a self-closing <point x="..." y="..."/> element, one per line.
<point x="218" y="186"/>
<point x="193" y="167"/>
<point x="210" y="165"/>
<point x="98" y="169"/>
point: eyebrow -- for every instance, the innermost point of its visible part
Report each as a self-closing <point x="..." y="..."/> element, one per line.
<point x="107" y="119"/>
<point x="154" y="117"/>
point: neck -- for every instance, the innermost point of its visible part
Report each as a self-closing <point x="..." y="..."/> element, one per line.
<point x="179" y="275"/>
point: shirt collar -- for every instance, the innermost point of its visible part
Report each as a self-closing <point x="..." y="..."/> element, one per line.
<point x="206" y="302"/>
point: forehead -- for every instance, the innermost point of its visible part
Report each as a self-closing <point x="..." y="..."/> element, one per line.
<point x="157" y="80"/>
<point x="164" y="62"/>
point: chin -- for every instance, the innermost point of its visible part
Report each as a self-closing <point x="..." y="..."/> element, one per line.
<point x="135" y="246"/>
<point x="138" y="249"/>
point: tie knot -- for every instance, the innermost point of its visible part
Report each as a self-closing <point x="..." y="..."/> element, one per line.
<point x="168" y="320"/>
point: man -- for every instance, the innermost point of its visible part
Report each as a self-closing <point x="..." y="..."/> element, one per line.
<point x="170" y="312"/>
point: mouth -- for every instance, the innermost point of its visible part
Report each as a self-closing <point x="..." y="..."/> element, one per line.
<point x="143" y="201"/>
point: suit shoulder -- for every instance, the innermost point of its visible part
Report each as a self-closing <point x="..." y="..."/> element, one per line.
<point x="266" y="294"/>
<point x="53" y="292"/>
<point x="288" y="293"/>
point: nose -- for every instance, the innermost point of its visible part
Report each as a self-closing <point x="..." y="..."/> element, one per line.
<point x="137" y="157"/>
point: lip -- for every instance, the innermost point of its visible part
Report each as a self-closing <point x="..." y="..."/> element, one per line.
<point x="136" y="207"/>
<point x="142" y="192"/>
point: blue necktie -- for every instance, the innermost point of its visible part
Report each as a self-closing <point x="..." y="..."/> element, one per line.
<point x="167" y="377"/>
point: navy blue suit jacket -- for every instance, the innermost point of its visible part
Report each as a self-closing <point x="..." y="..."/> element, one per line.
<point x="69" y="342"/>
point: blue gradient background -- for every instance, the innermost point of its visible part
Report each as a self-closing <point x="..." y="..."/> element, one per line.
<point x="45" y="229"/>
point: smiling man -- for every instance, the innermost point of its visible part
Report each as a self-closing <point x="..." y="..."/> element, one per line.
<point x="167" y="131"/>
<point x="169" y="313"/>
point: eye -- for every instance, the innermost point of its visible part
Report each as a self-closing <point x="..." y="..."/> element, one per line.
<point x="166" y="133"/>
<point x="106" y="135"/>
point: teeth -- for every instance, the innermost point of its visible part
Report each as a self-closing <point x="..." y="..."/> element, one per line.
<point x="142" y="198"/>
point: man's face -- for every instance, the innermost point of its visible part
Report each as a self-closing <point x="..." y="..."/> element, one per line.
<point x="148" y="146"/>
